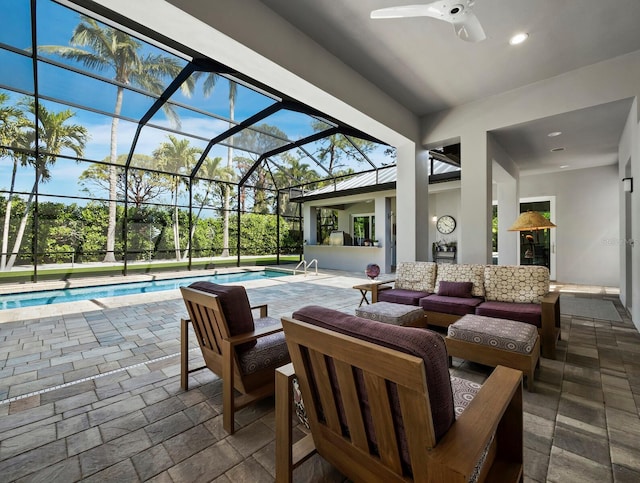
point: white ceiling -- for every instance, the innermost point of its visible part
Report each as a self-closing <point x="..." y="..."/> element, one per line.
<point x="424" y="66"/>
<point x="590" y="138"/>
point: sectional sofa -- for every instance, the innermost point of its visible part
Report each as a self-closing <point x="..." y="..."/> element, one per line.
<point x="448" y="291"/>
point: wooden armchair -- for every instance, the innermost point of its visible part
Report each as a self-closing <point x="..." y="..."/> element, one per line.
<point x="242" y="351"/>
<point x="381" y="406"/>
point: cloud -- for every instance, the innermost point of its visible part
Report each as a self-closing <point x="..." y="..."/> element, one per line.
<point x="150" y="138"/>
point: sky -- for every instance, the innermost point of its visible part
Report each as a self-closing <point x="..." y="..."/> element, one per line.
<point x="55" y="25"/>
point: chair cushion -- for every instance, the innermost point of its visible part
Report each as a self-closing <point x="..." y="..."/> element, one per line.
<point x="529" y="313"/>
<point x="455" y="289"/>
<point x="451" y="272"/>
<point x="269" y="351"/>
<point x="235" y="306"/>
<point x="463" y="393"/>
<point x="401" y="296"/>
<point x="450" y="305"/>
<point x="427" y="345"/>
<point x="298" y="403"/>
<point x="418" y="276"/>
<point x="516" y="283"/>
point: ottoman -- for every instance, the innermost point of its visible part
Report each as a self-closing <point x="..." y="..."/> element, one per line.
<point x="396" y="314"/>
<point x="491" y="341"/>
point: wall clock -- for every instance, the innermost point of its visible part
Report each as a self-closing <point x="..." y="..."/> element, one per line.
<point x="446" y="224"/>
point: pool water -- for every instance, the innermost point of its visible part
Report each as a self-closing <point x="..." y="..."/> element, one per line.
<point x="47" y="297"/>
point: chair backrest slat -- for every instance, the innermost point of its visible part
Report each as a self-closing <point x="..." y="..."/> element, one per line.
<point x="319" y="370"/>
<point x="350" y="398"/>
<point x="211" y="326"/>
<point x="381" y="415"/>
<point x="418" y="439"/>
<point x="196" y="316"/>
<point x="207" y="318"/>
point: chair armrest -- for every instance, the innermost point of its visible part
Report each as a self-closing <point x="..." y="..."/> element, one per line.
<point x="551" y="298"/>
<point x="379" y="286"/>
<point x="263" y="309"/>
<point x="550" y="312"/>
<point x="288" y="455"/>
<point x="496" y="409"/>
<point x="287" y="370"/>
<point x="550" y="323"/>
<point x="254" y="335"/>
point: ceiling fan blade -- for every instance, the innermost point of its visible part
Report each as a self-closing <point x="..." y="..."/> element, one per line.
<point x="429" y="10"/>
<point x="468" y="28"/>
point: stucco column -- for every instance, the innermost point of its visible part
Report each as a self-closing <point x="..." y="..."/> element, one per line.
<point x="407" y="186"/>
<point x="508" y="211"/>
<point x="475" y="200"/>
<point x="310" y="224"/>
<point x="423" y="245"/>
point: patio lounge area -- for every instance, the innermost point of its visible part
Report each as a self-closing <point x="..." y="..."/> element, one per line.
<point x="96" y="395"/>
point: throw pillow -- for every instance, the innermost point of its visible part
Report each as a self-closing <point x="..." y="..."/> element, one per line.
<point x="455" y="289"/>
<point x="235" y="306"/>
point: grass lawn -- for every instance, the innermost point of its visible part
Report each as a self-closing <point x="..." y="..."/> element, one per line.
<point x="64" y="273"/>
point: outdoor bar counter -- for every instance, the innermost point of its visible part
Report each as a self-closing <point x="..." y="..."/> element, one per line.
<point x="344" y="257"/>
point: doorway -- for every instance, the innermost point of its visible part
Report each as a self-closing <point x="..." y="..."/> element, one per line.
<point x="539" y="247"/>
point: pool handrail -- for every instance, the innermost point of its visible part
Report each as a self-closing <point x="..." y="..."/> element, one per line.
<point x="306" y="266"/>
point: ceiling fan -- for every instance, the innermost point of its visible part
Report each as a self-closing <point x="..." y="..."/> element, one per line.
<point x="456" y="12"/>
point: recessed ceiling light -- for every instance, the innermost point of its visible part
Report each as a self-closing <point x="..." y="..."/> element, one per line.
<point x="554" y="134"/>
<point x="555" y="150"/>
<point x="564" y="166"/>
<point x="518" y="38"/>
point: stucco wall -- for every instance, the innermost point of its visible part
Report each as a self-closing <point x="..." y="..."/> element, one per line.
<point x="588" y="217"/>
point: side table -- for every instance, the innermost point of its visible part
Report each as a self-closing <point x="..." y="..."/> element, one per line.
<point x="374" y="288"/>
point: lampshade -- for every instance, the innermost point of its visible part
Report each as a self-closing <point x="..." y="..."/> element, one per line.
<point x="531" y="220"/>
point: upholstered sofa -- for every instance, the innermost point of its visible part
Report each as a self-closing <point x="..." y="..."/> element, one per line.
<point x="448" y="291"/>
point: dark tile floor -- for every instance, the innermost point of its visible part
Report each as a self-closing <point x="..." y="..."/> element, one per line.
<point x="95" y="396"/>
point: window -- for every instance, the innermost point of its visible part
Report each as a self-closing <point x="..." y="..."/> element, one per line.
<point x="327" y="222"/>
<point x="363" y="228"/>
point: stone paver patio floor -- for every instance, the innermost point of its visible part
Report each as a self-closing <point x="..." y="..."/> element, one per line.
<point x="95" y="396"/>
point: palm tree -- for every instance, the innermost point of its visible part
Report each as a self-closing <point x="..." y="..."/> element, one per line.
<point x="262" y="139"/>
<point x="12" y="123"/>
<point x="210" y="170"/>
<point x="294" y="172"/>
<point x="12" y="133"/>
<point x="336" y="149"/>
<point x="173" y="157"/>
<point x="101" y="48"/>
<point x="53" y="136"/>
<point x="208" y="86"/>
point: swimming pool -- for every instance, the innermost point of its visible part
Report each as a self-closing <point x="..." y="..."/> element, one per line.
<point x="47" y="297"/>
